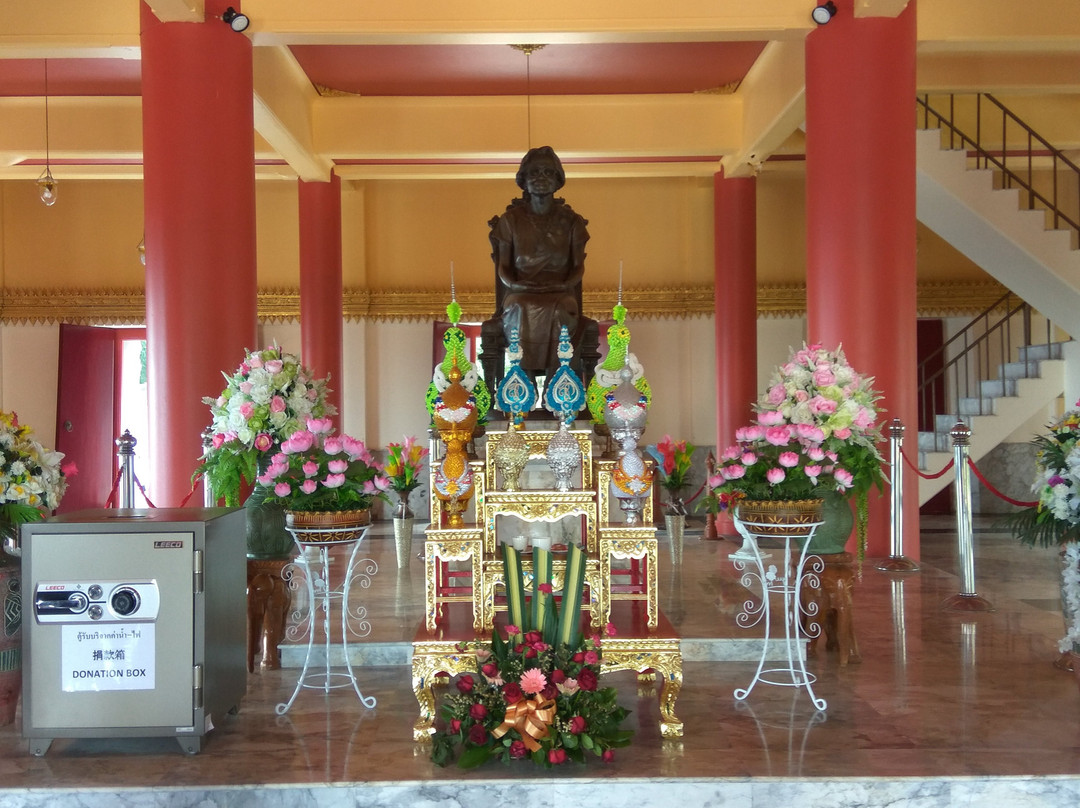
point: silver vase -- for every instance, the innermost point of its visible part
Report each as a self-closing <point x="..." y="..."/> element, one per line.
<point x="676" y="525"/>
<point x="403" y="533"/>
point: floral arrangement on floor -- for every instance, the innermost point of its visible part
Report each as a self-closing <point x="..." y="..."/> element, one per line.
<point x="673" y="459"/>
<point x="32" y="478"/>
<point x="535" y="691"/>
<point x="266" y="400"/>
<point x="817" y="430"/>
<point x="1055" y="518"/>
<point x="316" y="470"/>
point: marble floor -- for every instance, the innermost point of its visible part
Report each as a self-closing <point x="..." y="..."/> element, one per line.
<point x="944" y="709"/>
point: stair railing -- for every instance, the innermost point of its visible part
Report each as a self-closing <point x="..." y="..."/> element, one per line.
<point x="1001" y="141"/>
<point x="958" y="369"/>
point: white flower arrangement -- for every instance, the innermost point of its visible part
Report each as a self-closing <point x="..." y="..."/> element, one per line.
<point x="32" y="478"/>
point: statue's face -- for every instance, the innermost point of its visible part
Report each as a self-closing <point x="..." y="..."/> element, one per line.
<point x="542" y="177"/>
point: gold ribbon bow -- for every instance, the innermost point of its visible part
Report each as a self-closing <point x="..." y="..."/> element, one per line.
<point x="531" y="718"/>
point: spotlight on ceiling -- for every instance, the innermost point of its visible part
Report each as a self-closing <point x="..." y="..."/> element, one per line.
<point x="823" y="13"/>
<point x="239" y="22"/>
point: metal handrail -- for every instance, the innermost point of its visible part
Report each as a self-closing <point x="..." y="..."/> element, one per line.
<point x="991" y="153"/>
<point x="959" y="367"/>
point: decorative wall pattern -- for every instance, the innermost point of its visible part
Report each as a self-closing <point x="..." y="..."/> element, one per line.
<point x="128" y="307"/>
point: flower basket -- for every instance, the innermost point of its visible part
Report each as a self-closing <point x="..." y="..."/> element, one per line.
<point x="795" y="518"/>
<point x="327" y="526"/>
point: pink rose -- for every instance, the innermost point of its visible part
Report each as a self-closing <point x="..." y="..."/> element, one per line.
<point x="253" y="361"/>
<point x="218" y="440"/>
<point x="277" y="404"/>
<point x="273" y="366"/>
<point x="245" y="388"/>
<point x="777" y="394"/>
<point x="246" y="409"/>
<point x="609" y="629"/>
<point x="819" y="405"/>
<point x="823" y="377"/>
<point x="843" y="433"/>
<point x="591" y="658"/>
<point x="263" y="442"/>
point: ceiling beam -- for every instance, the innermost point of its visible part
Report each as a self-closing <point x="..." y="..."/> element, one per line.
<point x="283" y="98"/>
<point x="178" y="10"/>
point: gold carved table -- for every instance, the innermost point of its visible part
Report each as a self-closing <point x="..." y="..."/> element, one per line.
<point x="629" y="542"/>
<point x="440" y="547"/>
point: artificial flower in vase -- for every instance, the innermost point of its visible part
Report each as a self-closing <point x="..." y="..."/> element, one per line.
<point x="1054" y="519"/>
<point x="266" y="399"/>
<point x="829" y="415"/>
<point x="324" y="479"/>
<point x="32" y="483"/>
<point x="673" y="462"/>
<point x="404" y="462"/>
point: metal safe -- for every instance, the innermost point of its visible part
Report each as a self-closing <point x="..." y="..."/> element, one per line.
<point x="134" y="624"/>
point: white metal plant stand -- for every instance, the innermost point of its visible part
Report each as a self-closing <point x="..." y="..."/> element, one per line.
<point x="786" y="580"/>
<point x="321" y="597"/>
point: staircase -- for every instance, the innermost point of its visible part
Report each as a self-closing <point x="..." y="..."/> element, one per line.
<point x="1003" y="230"/>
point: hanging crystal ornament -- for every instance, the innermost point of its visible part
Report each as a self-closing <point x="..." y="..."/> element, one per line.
<point x="46" y="183"/>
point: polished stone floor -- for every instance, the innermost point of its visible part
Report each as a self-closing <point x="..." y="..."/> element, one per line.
<point x="944" y="709"/>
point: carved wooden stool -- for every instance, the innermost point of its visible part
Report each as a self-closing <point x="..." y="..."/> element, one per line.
<point x="834" y="607"/>
<point x="268" y="599"/>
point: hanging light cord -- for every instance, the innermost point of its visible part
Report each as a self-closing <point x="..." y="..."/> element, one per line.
<point x="528" y="97"/>
<point x="46" y="114"/>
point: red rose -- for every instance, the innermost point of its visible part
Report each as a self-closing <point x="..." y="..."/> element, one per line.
<point x="455" y="726"/>
<point x="490" y="670"/>
<point x="518" y="750"/>
<point x="465" y="684"/>
<point x="530" y="653"/>
<point x="512" y="692"/>
<point x="550" y="691"/>
<point x="586" y="679"/>
<point x="533" y="637"/>
<point x="591" y="658"/>
<point x="478" y="735"/>
<point x="577" y="725"/>
<point x="609" y="754"/>
<point x="478" y="712"/>
<point x="557" y="756"/>
<point x="545" y="589"/>
<point x="579" y="657"/>
<point x="558" y="676"/>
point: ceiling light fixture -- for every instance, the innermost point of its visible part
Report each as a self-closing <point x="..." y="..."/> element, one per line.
<point x="528" y="50"/>
<point x="823" y="13"/>
<point x="46" y="183"/>
<point x="235" y="20"/>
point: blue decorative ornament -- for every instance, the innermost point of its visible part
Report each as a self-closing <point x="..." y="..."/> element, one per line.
<point x="516" y="394"/>
<point x="564" y="394"/>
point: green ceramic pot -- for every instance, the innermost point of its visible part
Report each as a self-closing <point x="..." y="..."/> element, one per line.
<point x="839" y="521"/>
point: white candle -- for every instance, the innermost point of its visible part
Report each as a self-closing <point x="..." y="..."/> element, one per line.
<point x="541" y="542"/>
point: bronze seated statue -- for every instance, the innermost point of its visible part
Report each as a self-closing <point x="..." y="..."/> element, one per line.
<point x="538" y="248"/>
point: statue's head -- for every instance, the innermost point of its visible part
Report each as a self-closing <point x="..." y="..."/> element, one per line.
<point x="541" y="154"/>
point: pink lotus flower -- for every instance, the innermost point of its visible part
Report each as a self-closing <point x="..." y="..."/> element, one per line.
<point x="282" y="490"/>
<point x="311" y="468"/>
<point x="308" y="486"/>
<point x="748" y="458"/>
<point x="788" y="460"/>
<point x="747" y="434"/>
<point x="320" y="426"/>
<point x="299" y="442"/>
<point x="733" y="472"/>
<point x="334" y="480"/>
<point x="813" y="472"/>
<point x="778" y="435"/>
<point x="332" y="445"/>
<point x="337" y="466"/>
<point x="775" y="476"/>
<point x="844" y="479"/>
<point x="770" y="418"/>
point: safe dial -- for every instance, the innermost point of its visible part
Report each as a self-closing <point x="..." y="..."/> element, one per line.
<point x="124" y="601"/>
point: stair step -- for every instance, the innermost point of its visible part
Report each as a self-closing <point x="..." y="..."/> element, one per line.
<point x="935" y="442"/>
<point x="943" y="424"/>
<point x="998" y="387"/>
<point x="977" y="406"/>
<point x="1051" y="350"/>
<point x="1019" y="370"/>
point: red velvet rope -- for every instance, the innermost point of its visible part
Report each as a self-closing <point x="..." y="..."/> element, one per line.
<point x="997" y="493"/>
<point x="915" y="468"/>
<point x="115" y="487"/>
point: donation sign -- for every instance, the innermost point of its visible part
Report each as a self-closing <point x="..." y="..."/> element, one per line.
<point x="117" y="656"/>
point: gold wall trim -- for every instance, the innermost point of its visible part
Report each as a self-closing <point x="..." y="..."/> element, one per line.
<point x="128" y="306"/>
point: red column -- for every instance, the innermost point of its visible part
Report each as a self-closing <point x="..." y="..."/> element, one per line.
<point x="199" y="188"/>
<point x="860" y="215"/>
<point x="735" y="306"/>
<point x="320" y="281"/>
